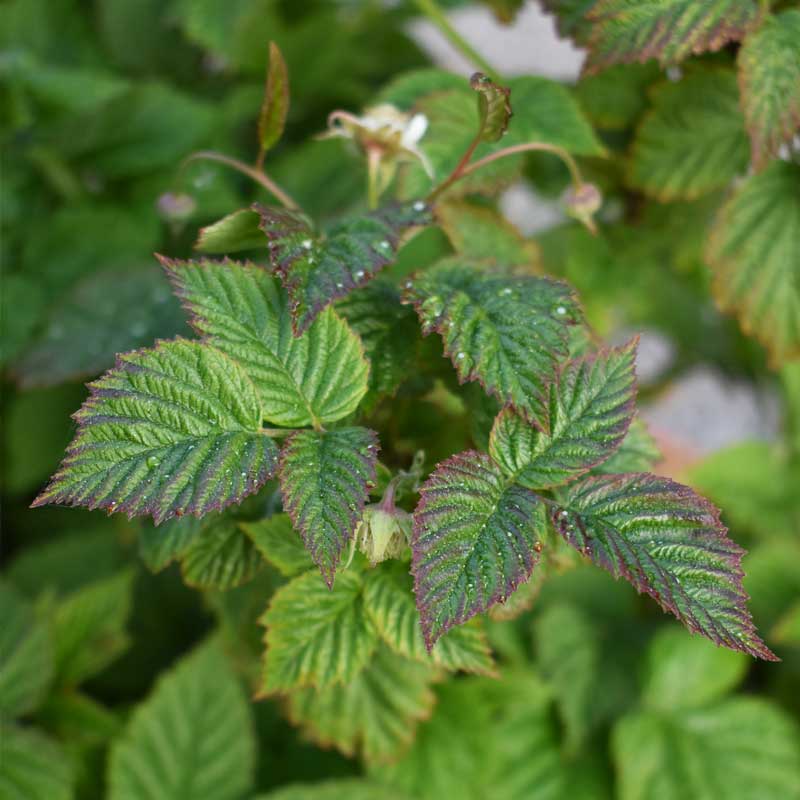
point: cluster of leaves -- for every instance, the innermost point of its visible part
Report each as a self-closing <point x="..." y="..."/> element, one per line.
<point x="344" y="589"/>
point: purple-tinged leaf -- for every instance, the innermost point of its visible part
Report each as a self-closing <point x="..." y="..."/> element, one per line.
<point x="316" y="270"/>
<point x="169" y="431"/>
<point x="475" y="540"/>
<point x="325" y="478"/>
<point x="668" y="542"/>
<point x="508" y="332"/>
<point x="591" y="407"/>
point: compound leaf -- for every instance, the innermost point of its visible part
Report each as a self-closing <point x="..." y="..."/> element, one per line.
<point x="33" y="766"/>
<point x="375" y="714"/>
<point x="693" y="140"/>
<point x="325" y="479"/>
<point x="171" y="430"/>
<point x="317" y="270"/>
<point x="315" y="378"/>
<point x="508" y="332"/>
<point x="624" y="31"/>
<point x="192" y="737"/>
<point x="689" y="753"/>
<point x="236" y="231"/>
<point x="669" y="543"/>
<point x="316" y="636"/>
<point x="389" y="600"/>
<point x="590" y="410"/>
<point x="754" y="252"/>
<point x="474" y="540"/>
<point x="279" y="543"/>
<point x="769" y="76"/>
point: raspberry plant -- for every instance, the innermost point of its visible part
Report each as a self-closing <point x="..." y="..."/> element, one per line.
<point x="301" y="430"/>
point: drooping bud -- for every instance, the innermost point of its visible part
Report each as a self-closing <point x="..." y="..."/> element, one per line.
<point x="583" y="202"/>
<point x="383" y="534"/>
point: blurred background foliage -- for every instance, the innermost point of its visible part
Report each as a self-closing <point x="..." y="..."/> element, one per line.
<point x="601" y="695"/>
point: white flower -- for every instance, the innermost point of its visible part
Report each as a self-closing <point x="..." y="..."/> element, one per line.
<point x="383" y="129"/>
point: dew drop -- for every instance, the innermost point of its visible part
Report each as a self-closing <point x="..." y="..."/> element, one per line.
<point x="306" y="243"/>
<point x="419" y="206"/>
<point x="460" y="356"/>
<point x="152" y="462"/>
<point x="561" y="310"/>
<point x="360" y="274"/>
<point x="409" y="284"/>
<point x="339" y="285"/>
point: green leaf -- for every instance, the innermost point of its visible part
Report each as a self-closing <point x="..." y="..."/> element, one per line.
<point x="388" y="331"/>
<point x="374" y="715"/>
<point x="616" y="98"/>
<point x="318" y="270"/>
<point x="169" y="431"/>
<point x="325" y="479"/>
<point x="754" y="250"/>
<point x="272" y="117"/>
<point x="475" y="540"/>
<point x="508" y="332"/>
<point x="693" y="140"/>
<point x="33" y="767"/>
<point x="624" y="31"/>
<point x="571" y="19"/>
<point x="279" y="543"/>
<point x="26" y="656"/>
<point x="350" y="788"/>
<point x="192" y="737"/>
<point x="742" y="749"/>
<point x="318" y="377"/>
<point x="567" y="650"/>
<point x="160" y="545"/>
<point x="89" y="627"/>
<point x="221" y="556"/>
<point x="683" y="671"/>
<point x="494" y="107"/>
<point x="787" y="630"/>
<point x="669" y="543"/>
<point x="234" y="232"/>
<point x="477" y="232"/>
<point x="591" y="406"/>
<point x="637" y="453"/>
<point x="316" y="636"/>
<point x="408" y="88"/>
<point x="769" y="75"/>
<point x="389" y="600"/>
<point x="110" y="312"/>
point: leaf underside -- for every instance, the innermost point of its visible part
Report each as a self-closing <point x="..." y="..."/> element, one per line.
<point x="669" y="543"/>
<point x="325" y="479"/>
<point x="624" y="31"/>
<point x="318" y="377"/>
<point x="507" y="332"/>
<point x="272" y="116"/>
<point x="317" y="270"/>
<point x="475" y="539"/>
<point x="494" y="107"/>
<point x="169" y="431"/>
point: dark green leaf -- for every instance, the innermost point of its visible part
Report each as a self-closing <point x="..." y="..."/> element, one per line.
<point x="33" y="767"/>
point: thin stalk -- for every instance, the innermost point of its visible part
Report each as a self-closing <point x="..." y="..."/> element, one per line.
<point x="373" y="165"/>
<point x="278" y="433"/>
<point x="259" y="176"/>
<point x="439" y="18"/>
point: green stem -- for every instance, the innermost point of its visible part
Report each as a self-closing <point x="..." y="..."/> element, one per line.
<point x="259" y="176"/>
<point x="278" y="433"/>
<point x="439" y="18"/>
<point x="373" y="164"/>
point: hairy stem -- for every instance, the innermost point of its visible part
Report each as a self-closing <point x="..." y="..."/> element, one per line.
<point x="259" y="176"/>
<point x="439" y="18"/>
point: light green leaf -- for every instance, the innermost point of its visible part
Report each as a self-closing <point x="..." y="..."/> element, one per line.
<point x="169" y="431"/>
<point x="192" y="737"/>
<point x="318" y="270"/>
<point x="507" y="332"/>
<point x="33" y="767"/>
<point x="669" y="543"/>
<point x="769" y="73"/>
<point x="279" y="543"/>
<point x="160" y="545"/>
<point x="318" y="377"/>
<point x="592" y="403"/>
<point x="89" y="627"/>
<point x="787" y="630"/>
<point x="693" y="140"/>
<point x="221" y="556"/>
<point x="325" y="480"/>
<point x="349" y="788"/>
<point x="475" y="540"/>
<point x="374" y="715"/>
<point x="637" y="453"/>
<point x="275" y="106"/>
<point x="669" y="30"/>
<point x="26" y="656"/>
<point x="316" y="636"/>
<point x="754" y="253"/>
<point x="742" y="749"/>
<point x="236" y="231"/>
<point x="683" y="671"/>
<point x="389" y="601"/>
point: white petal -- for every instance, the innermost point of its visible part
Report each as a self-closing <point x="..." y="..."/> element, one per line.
<point x="415" y="130"/>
